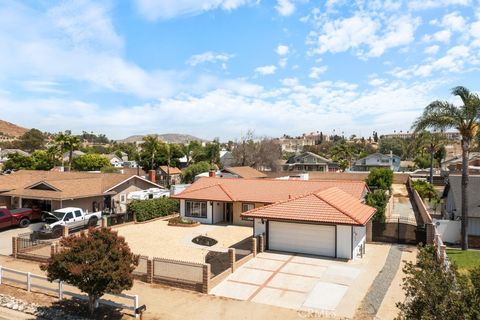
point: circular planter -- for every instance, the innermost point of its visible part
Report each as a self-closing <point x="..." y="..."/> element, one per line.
<point x="204" y="241"/>
<point x="176" y="222"/>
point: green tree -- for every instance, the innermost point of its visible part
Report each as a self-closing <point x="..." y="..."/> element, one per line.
<point x="425" y="190"/>
<point x="150" y="149"/>
<point x="342" y="151"/>
<point x="379" y="200"/>
<point x="432" y="143"/>
<point x="41" y="160"/>
<point x="90" y="162"/>
<point x="212" y="152"/>
<point x="188" y="175"/>
<point x="396" y="145"/>
<point x="380" y="178"/>
<point x="17" y="161"/>
<point x="442" y="115"/>
<point x="96" y="262"/>
<point x="189" y="150"/>
<point x="32" y="140"/>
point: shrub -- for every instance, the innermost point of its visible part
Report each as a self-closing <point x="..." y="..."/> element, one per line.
<point x="380" y="178"/>
<point x="425" y="189"/>
<point x="153" y="208"/>
<point x="188" y="175"/>
<point x="379" y="200"/>
<point x="181" y="220"/>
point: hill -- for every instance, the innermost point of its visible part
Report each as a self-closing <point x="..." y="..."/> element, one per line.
<point x="11" y="130"/>
<point x="167" y="137"/>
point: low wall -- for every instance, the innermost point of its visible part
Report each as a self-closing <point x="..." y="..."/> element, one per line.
<point x="398" y="177"/>
<point x="449" y="230"/>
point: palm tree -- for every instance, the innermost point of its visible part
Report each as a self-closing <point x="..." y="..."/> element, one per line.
<point x="151" y="146"/>
<point x="343" y="151"/>
<point x="442" y="115"/>
<point x="432" y="143"/>
<point x="61" y="140"/>
<point x="72" y="144"/>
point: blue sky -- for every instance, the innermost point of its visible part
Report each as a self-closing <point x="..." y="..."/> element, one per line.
<point x="217" y="68"/>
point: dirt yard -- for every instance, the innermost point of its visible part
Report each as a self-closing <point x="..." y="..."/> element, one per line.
<point x="157" y="239"/>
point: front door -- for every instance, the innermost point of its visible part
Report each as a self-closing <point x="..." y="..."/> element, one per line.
<point x="228" y="213"/>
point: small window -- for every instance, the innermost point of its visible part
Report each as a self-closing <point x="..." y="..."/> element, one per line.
<point x="78" y="213"/>
<point x="122" y="197"/>
<point x="68" y="216"/>
<point x="195" y="209"/>
<point x="247" y="207"/>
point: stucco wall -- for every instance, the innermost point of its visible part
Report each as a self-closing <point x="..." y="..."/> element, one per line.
<point x="131" y="185"/>
<point x="85" y="203"/>
<point x="218" y="211"/>
<point x="237" y="210"/>
<point x="359" y="240"/>
<point x="259" y="227"/>
<point x="344" y="242"/>
<point x="207" y="220"/>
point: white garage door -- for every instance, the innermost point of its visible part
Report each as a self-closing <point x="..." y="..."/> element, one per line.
<point x="302" y="238"/>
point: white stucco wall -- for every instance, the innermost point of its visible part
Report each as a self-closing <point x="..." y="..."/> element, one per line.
<point x="474" y="226"/>
<point x="449" y="230"/>
<point x="217" y="211"/>
<point x="344" y="242"/>
<point x="207" y="220"/>
<point x="359" y="240"/>
<point x="259" y="227"/>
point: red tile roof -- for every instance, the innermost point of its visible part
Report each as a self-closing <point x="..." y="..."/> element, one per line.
<point x="263" y="190"/>
<point x="328" y="206"/>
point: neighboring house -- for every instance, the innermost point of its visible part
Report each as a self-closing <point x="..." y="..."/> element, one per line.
<point x="214" y="200"/>
<point x="114" y="160"/>
<point x="242" y="172"/>
<point x="454" y="165"/>
<point x="329" y="223"/>
<point x="51" y="190"/>
<point x="309" y="161"/>
<point x="4" y="153"/>
<point x="226" y="158"/>
<point x="162" y="175"/>
<point x="453" y="203"/>
<point x="75" y="154"/>
<point x="377" y="160"/>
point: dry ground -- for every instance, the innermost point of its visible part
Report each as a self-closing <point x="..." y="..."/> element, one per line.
<point x="157" y="239"/>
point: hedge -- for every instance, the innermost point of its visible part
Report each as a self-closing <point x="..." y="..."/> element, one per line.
<point x="153" y="208"/>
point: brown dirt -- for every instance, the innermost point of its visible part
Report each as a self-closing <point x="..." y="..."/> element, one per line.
<point x="11" y="129"/>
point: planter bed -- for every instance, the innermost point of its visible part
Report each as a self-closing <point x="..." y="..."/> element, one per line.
<point x="182" y="222"/>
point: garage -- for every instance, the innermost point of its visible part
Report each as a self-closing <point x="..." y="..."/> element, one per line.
<point x="302" y="238"/>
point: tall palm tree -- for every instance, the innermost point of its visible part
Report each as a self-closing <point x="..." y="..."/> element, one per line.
<point x="72" y="144"/>
<point x="432" y="143"/>
<point x="442" y="115"/>
<point x="343" y="151"/>
<point x="61" y="143"/>
<point x="150" y="146"/>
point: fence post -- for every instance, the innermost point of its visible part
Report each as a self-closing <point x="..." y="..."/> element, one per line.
<point x="60" y="290"/>
<point x="104" y="222"/>
<point x="254" y="246"/>
<point x="206" y="278"/>
<point x="135" y="305"/>
<point x="14" y="247"/>
<point x="369" y="231"/>
<point x="29" y="281"/>
<point x="1" y="274"/>
<point x="231" y="258"/>
<point x="262" y="243"/>
<point x="430" y="230"/>
<point x="65" y="231"/>
<point x="52" y="250"/>
<point x="442" y="252"/>
<point x="150" y="271"/>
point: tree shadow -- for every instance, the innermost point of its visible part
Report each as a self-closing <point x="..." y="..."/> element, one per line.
<point x="78" y="309"/>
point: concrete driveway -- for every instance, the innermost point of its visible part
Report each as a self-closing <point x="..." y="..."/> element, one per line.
<point x="324" y="286"/>
<point x="7" y="234"/>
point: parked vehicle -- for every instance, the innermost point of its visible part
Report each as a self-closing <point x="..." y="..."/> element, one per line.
<point x="152" y="193"/>
<point x="18" y="217"/>
<point x="73" y="218"/>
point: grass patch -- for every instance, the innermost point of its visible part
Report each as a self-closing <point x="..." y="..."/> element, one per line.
<point x="465" y="260"/>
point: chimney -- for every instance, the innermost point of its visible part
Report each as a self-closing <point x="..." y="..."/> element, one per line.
<point x="289" y="196"/>
<point x="152" y="176"/>
<point x="212" y="174"/>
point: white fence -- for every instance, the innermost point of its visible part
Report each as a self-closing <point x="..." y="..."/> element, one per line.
<point x="30" y="281"/>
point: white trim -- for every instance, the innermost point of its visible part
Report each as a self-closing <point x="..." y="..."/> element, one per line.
<point x="134" y="176"/>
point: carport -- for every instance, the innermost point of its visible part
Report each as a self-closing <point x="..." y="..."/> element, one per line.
<point x="329" y="223"/>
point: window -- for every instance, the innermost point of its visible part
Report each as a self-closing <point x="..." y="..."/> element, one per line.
<point x="195" y="209"/>
<point x="247" y="207"/>
<point x="78" y="213"/>
<point x="68" y="216"/>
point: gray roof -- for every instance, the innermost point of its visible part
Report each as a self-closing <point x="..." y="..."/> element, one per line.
<point x="4" y="152"/>
<point x="455" y="182"/>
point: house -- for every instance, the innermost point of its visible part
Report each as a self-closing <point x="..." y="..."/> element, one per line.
<point x="329" y="222"/>
<point x="212" y="200"/>
<point x="377" y="160"/>
<point x="114" y="160"/>
<point x="51" y="190"/>
<point x="454" y="165"/>
<point x="452" y="208"/>
<point x="245" y="172"/>
<point x="75" y="154"/>
<point x="4" y="153"/>
<point x="309" y="161"/>
<point x="226" y="158"/>
<point x="163" y="172"/>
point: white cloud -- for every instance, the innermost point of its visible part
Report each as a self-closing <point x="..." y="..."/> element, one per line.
<point x="283" y="62"/>
<point x="42" y="86"/>
<point x="432" y="50"/>
<point x="282" y="50"/>
<point x="315" y="72"/>
<point x="265" y="70"/>
<point x="168" y="9"/>
<point x="442" y="36"/>
<point x="376" y="82"/>
<point x="454" y="22"/>
<point x="209" y="56"/>
<point x="285" y="7"/>
<point x="431" y="4"/>
<point x="289" y="82"/>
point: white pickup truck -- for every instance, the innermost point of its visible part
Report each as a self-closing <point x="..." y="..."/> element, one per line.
<point x="73" y="218"/>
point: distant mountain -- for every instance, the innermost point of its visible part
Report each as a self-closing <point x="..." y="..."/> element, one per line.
<point x="11" y="130"/>
<point x="167" y="137"/>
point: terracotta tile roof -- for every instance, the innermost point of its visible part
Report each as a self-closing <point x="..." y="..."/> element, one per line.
<point x="263" y="190"/>
<point x="70" y="185"/>
<point x="173" y="170"/>
<point x="245" y="172"/>
<point x="329" y="206"/>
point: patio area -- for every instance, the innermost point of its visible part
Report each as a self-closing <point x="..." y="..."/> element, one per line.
<point x="157" y="239"/>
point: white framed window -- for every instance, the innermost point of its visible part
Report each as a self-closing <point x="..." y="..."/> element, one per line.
<point x="196" y="209"/>
<point x="247" y="206"/>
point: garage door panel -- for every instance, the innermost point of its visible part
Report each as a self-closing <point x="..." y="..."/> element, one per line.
<point x="302" y="238"/>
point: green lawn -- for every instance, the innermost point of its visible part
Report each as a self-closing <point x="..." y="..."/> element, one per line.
<point x="465" y="260"/>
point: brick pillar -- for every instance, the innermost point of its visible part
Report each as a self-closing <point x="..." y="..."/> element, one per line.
<point x="150" y="271"/>
<point x="254" y="246"/>
<point x="65" y="231"/>
<point x="430" y="230"/>
<point x="231" y="258"/>
<point x="104" y="222"/>
<point x="14" y="247"/>
<point x="206" y="278"/>
<point x="369" y="231"/>
<point x="262" y="243"/>
<point x="52" y="250"/>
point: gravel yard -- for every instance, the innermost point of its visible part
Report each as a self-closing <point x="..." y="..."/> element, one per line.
<point x="157" y="239"/>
